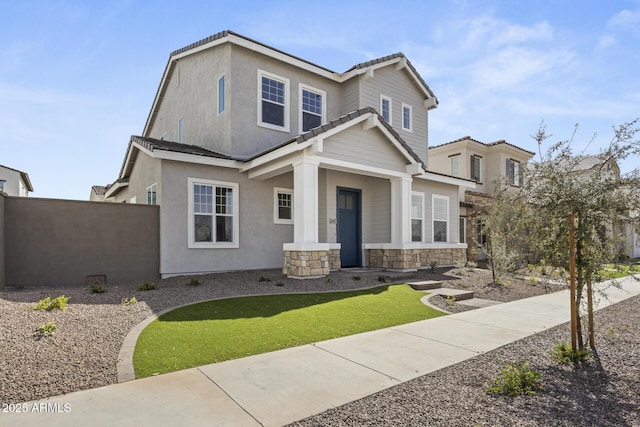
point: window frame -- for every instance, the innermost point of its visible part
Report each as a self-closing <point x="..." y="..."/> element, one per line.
<point x="287" y="104"/>
<point x="276" y="205"/>
<point x="152" y="190"/>
<point x="222" y="94"/>
<point x="415" y="218"/>
<point x="451" y="159"/>
<point x="323" y="116"/>
<point x="435" y="197"/>
<point x="388" y="99"/>
<point x="473" y="159"/>
<point x="407" y="107"/>
<point x="235" y="214"/>
<point x="180" y="130"/>
<point x="514" y="177"/>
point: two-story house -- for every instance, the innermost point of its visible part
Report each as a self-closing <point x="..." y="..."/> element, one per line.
<point x="14" y="182"/>
<point x="260" y="159"/>
<point x="484" y="164"/>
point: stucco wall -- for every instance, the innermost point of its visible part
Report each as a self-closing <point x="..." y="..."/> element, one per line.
<point x="2" y="239"/>
<point x="61" y="242"/>
<point x="261" y="241"/>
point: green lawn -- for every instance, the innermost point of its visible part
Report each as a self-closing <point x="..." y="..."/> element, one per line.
<point x="616" y="271"/>
<point x="220" y="330"/>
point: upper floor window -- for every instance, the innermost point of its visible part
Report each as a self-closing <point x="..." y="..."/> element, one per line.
<point x="312" y="108"/>
<point x="513" y="172"/>
<point x="213" y="214"/>
<point x="152" y="195"/>
<point x="417" y="216"/>
<point x="475" y="167"/>
<point x="221" y="95"/>
<point x="406" y="117"/>
<point x="2" y="185"/>
<point x="440" y="207"/>
<point x="273" y="105"/>
<point x="385" y="108"/>
<point x="180" y="130"/>
<point x="455" y="165"/>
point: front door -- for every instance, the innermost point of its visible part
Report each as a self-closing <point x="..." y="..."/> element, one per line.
<point x="349" y="234"/>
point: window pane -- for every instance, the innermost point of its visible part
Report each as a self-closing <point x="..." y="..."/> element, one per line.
<point x="202" y="199"/>
<point x="224" y="229"/>
<point x="385" y="109"/>
<point x="416" y="206"/>
<point x="311" y="102"/>
<point x="284" y="212"/>
<point x="416" y="230"/>
<point x="284" y="206"/>
<point x="439" y="231"/>
<point x="221" y="95"/>
<point x="310" y="121"/>
<point x="440" y="209"/>
<point x="272" y="90"/>
<point x="406" y="118"/>
<point x="224" y="200"/>
<point x="272" y="113"/>
<point x="202" y="228"/>
<point x="463" y="231"/>
<point x="455" y="166"/>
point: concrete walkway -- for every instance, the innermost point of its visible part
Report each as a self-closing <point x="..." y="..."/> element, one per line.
<point x="277" y="388"/>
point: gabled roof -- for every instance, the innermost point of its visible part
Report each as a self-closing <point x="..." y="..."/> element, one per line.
<point x="23" y="175"/>
<point x="228" y="36"/>
<point x="99" y="190"/>
<point x="490" y="144"/>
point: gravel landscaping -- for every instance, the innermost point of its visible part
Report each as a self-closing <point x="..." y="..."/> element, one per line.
<point x="83" y="352"/>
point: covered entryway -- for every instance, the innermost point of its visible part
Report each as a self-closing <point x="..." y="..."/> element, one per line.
<point x="349" y="227"/>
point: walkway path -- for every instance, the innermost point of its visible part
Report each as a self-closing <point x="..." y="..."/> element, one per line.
<point x="277" y="388"/>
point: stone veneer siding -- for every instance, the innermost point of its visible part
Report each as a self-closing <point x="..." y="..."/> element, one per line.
<point x="412" y="259"/>
<point x="311" y="263"/>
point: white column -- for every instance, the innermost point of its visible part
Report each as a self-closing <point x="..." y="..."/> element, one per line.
<point x="305" y="201"/>
<point x="401" y="210"/>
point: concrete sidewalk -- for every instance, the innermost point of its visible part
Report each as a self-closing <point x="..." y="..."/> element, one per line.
<point x="277" y="388"/>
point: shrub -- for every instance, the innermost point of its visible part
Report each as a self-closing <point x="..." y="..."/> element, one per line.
<point x="279" y="284"/>
<point x="129" y="301"/>
<point x="46" y="329"/>
<point x="330" y="280"/>
<point x="382" y="279"/>
<point x="563" y="353"/>
<point x="434" y="266"/>
<point x="97" y="289"/>
<point x="264" y="279"/>
<point x="516" y="380"/>
<point x="357" y="278"/>
<point x="147" y="286"/>
<point x="49" y="304"/>
<point x="472" y="264"/>
<point x="194" y="281"/>
<point x="451" y="300"/>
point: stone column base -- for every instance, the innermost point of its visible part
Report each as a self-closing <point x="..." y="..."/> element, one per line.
<point x="306" y="264"/>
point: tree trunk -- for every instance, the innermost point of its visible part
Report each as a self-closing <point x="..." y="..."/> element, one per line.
<point x="572" y="281"/>
<point x="592" y="338"/>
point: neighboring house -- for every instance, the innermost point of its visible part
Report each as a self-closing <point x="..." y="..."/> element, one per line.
<point x="14" y="182"/>
<point x="484" y="164"/>
<point x="97" y="193"/>
<point x="260" y="159"/>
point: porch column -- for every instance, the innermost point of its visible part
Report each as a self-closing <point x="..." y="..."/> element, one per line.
<point x="401" y="210"/>
<point x="305" y="201"/>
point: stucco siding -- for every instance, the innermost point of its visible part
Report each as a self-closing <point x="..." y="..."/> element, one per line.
<point x="247" y="137"/>
<point x="146" y="171"/>
<point x="369" y="148"/>
<point x="430" y="188"/>
<point x="192" y="94"/>
<point x="12" y="182"/>
<point x="260" y="240"/>
<point x="397" y="85"/>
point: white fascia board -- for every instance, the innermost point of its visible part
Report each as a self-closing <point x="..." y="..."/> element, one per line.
<point x="115" y="188"/>
<point x="193" y="158"/>
<point x="344" y="166"/>
<point x="447" y="179"/>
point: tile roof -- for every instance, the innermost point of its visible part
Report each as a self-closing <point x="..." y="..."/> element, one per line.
<point x="490" y="144"/>
<point x="99" y="189"/>
<point x="161" y="144"/>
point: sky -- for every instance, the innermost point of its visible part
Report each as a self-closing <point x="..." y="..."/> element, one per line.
<point x="78" y="78"/>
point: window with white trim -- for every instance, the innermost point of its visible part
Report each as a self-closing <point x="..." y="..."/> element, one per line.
<point x="273" y="105"/>
<point x="455" y="165"/>
<point x="440" y="212"/>
<point x="282" y="205"/>
<point x="180" y="130"/>
<point x="417" y="216"/>
<point x="213" y="214"/>
<point x="513" y="172"/>
<point x="463" y="230"/>
<point x="312" y="107"/>
<point x="385" y="108"/>
<point x="221" y="94"/>
<point x="407" y="117"/>
<point x="152" y="195"/>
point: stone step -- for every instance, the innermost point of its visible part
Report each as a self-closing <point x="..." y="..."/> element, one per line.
<point x="426" y="285"/>
<point x="457" y="294"/>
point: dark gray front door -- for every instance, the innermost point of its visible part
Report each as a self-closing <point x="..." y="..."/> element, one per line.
<point x="349" y="227"/>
